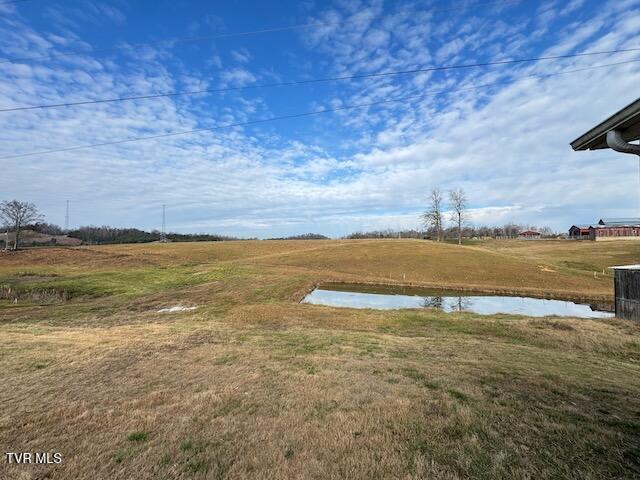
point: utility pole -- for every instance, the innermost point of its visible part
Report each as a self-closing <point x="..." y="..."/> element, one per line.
<point x="66" y="218"/>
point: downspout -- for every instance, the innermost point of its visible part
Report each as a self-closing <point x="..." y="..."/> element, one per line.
<point x="619" y="144"/>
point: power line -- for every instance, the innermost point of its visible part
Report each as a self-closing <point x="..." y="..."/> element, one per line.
<point x="305" y="114"/>
<point x="218" y="36"/>
<point x="317" y="80"/>
<point x="159" y="42"/>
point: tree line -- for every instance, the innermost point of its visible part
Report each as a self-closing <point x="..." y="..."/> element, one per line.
<point x="509" y="230"/>
<point x="16" y="217"/>
<point x="92" y="235"/>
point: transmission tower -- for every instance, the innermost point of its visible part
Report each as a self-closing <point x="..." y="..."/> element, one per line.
<point x="66" y="218"/>
<point x="163" y="233"/>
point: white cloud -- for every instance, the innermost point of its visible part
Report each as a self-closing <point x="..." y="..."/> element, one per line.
<point x="370" y="168"/>
<point x="241" y="55"/>
<point x="237" y="77"/>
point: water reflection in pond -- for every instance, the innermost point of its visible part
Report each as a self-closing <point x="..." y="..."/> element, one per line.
<point x="450" y="301"/>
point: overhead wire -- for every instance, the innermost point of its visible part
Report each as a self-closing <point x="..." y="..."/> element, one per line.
<point x="305" y="114"/>
<point x="314" y="80"/>
<point x="217" y="36"/>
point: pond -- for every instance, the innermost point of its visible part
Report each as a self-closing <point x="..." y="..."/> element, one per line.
<point x="383" y="298"/>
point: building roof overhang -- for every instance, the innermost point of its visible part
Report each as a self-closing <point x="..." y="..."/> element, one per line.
<point x="626" y="120"/>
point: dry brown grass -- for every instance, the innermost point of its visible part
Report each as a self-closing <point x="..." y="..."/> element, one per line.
<point x="582" y="256"/>
<point x="255" y="385"/>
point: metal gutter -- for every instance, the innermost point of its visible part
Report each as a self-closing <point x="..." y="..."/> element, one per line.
<point x="625" y="121"/>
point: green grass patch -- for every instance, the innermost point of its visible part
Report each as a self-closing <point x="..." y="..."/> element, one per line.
<point x="228" y="359"/>
<point x="128" y="282"/>
<point x="428" y="323"/>
<point x="458" y="395"/>
<point x="419" y="378"/>
<point x="39" y="365"/>
<point x="588" y="267"/>
<point x="122" y="454"/>
<point x="193" y="447"/>
<point x="366" y="345"/>
<point x="310" y="369"/>
<point x="288" y="453"/>
<point x="140" y="436"/>
<point x="195" y="465"/>
<point x="322" y="409"/>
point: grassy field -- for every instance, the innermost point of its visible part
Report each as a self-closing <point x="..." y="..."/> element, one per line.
<point x="253" y="384"/>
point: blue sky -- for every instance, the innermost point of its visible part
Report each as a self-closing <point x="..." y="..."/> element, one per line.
<point x="506" y="145"/>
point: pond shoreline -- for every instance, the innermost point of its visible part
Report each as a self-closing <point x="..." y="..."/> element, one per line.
<point x="573" y="296"/>
<point x="386" y="296"/>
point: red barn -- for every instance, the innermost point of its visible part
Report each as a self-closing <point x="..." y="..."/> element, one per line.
<point x="608" y="229"/>
<point x="580" y="232"/>
<point x="529" y="235"/>
<point x="617" y="229"/>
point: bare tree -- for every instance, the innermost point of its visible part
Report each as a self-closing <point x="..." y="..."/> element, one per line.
<point x="432" y="218"/>
<point x="458" y="202"/>
<point x="18" y="214"/>
<point x="545" y="231"/>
